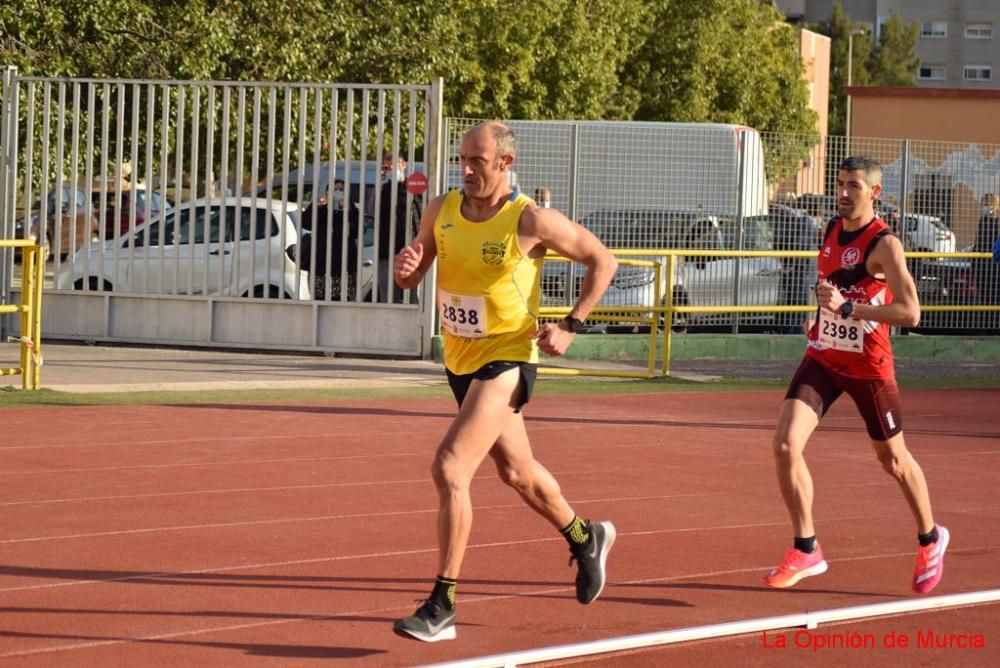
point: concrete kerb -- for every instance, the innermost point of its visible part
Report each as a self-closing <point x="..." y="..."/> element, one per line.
<point x="633" y="348"/>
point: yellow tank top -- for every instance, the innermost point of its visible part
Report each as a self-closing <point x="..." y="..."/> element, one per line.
<point x="488" y="292"/>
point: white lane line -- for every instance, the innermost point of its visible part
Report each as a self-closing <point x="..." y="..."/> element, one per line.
<point x="348" y="557"/>
<point x="372" y="611"/>
<point x="333" y="485"/>
<point x="236" y="462"/>
<point x="808" y="620"/>
<point x="323" y="518"/>
<point x="331" y="559"/>
<point x="368" y="457"/>
<point x="176" y="441"/>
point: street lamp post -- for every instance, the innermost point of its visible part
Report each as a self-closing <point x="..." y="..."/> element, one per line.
<point x="850" y="63"/>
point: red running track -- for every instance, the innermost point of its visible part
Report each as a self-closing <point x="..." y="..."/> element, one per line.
<point x="281" y="534"/>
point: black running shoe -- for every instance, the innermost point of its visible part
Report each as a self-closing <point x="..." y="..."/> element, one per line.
<point x="590" y="561"/>
<point x="429" y="623"/>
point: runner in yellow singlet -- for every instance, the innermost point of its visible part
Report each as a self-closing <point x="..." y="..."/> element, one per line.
<point x="489" y="241"/>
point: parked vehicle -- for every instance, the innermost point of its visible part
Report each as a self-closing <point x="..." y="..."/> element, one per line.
<point x="925" y="233"/>
<point x="946" y="282"/>
<point x="919" y="232"/>
<point x="318" y="182"/>
<point x="67" y="219"/>
<point x="795" y="230"/>
<point x="820" y="207"/>
<point x="698" y="280"/>
<point x="229" y="247"/>
<point x="118" y="203"/>
<point x="648" y="165"/>
<point x="889" y="213"/>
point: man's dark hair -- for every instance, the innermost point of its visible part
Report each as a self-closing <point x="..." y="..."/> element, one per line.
<point x="870" y="166"/>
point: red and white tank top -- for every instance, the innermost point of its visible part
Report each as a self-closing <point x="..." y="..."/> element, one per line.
<point x="855" y="348"/>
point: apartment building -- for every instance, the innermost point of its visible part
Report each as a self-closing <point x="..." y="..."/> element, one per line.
<point x="959" y="44"/>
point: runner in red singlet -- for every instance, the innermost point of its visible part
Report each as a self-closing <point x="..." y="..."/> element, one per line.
<point x="864" y="288"/>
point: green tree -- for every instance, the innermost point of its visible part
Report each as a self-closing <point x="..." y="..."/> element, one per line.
<point x="74" y="37"/>
<point x="677" y="60"/>
<point x="894" y="60"/>
<point x="724" y="61"/>
<point x="730" y="61"/>
<point x="498" y="58"/>
<point x="839" y="29"/>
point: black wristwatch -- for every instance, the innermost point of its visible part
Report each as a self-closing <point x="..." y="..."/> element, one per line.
<point x="846" y="309"/>
<point x="575" y="324"/>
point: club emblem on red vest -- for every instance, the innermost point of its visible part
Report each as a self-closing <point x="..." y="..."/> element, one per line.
<point x="850" y="257"/>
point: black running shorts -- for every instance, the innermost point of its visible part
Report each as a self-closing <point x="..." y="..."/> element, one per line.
<point x="877" y="399"/>
<point x="460" y="383"/>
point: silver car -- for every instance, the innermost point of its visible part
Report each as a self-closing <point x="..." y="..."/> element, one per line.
<point x="230" y="247"/>
<point x="698" y="281"/>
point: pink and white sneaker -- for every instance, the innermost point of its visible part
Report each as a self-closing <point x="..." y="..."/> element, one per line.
<point x="930" y="563"/>
<point x="795" y="566"/>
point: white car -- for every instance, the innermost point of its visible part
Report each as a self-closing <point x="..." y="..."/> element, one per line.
<point x="229" y="247"/>
<point x="928" y="233"/>
<point x="698" y="281"/>
<point x="921" y="233"/>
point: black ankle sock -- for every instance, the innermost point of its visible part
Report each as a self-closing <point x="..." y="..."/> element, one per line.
<point x="929" y="537"/>
<point x="444" y="592"/>
<point x="576" y="532"/>
<point x="807" y="545"/>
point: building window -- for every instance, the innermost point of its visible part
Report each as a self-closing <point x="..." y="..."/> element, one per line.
<point x="934" y="29"/>
<point x="979" y="31"/>
<point x="977" y="73"/>
<point x="931" y="73"/>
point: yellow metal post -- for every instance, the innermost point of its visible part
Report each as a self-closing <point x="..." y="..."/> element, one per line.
<point x="654" y="320"/>
<point x="668" y="315"/>
<point x="36" y="319"/>
<point x="30" y="311"/>
<point x="27" y="292"/>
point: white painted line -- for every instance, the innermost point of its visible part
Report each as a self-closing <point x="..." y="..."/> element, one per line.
<point x="805" y="619"/>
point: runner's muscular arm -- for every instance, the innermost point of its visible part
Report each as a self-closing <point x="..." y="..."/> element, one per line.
<point x="543" y="229"/>
<point x="413" y="261"/>
<point x="887" y="259"/>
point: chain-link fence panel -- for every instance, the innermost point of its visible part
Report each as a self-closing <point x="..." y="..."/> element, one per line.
<point x="726" y="188"/>
<point x="940" y="198"/>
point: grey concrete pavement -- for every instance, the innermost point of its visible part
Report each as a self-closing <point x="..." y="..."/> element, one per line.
<point x="81" y="368"/>
<point x="86" y="368"/>
<point x="71" y="367"/>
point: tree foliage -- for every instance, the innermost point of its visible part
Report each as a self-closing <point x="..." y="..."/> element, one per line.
<point x="894" y="61"/>
<point x="891" y="62"/>
<point x="730" y="61"/>
<point x="700" y="60"/>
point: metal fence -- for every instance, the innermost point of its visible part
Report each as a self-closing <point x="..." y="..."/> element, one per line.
<point x="727" y="188"/>
<point x="220" y="191"/>
<point x="97" y="158"/>
<point x="933" y="196"/>
<point x="87" y="164"/>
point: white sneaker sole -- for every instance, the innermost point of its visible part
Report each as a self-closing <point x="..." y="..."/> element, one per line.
<point x="444" y="634"/>
<point x="816" y="569"/>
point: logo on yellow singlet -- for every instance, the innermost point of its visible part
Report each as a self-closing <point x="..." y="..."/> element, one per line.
<point x="493" y="252"/>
